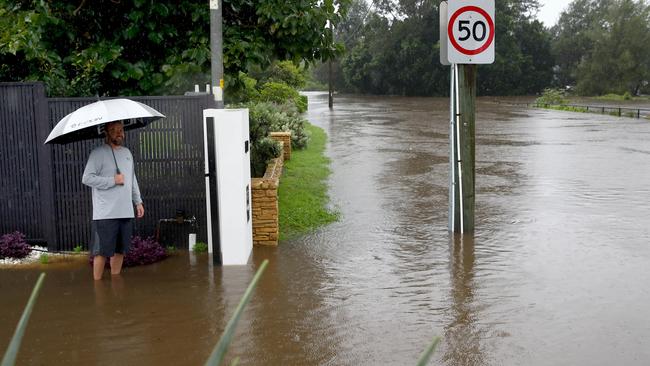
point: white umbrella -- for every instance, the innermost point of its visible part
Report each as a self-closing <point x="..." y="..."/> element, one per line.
<point x="88" y="121"/>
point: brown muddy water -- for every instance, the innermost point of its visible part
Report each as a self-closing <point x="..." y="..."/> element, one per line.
<point x="557" y="272"/>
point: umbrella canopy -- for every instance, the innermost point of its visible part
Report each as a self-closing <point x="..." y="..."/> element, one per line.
<point x="88" y="121"/>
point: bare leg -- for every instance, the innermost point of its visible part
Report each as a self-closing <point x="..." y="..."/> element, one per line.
<point x="116" y="263"/>
<point x="98" y="266"/>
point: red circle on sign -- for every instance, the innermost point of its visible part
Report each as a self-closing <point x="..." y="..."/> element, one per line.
<point x="450" y="30"/>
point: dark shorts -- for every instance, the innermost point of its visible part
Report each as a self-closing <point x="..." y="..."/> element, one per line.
<point x="111" y="236"/>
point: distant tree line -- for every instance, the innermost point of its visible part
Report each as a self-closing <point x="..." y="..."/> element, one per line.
<point x="129" y="47"/>
<point x="597" y="47"/>
<point x="603" y="46"/>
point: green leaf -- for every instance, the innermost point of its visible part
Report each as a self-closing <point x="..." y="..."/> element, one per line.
<point x="9" y="358"/>
<point x="426" y="355"/>
<point x="219" y="351"/>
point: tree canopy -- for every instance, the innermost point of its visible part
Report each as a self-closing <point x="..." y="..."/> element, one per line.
<point x="393" y="48"/>
<point x="128" y="47"/>
<point x="601" y="46"/>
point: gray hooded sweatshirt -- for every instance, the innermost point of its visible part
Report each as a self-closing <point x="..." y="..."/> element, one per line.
<point x="111" y="201"/>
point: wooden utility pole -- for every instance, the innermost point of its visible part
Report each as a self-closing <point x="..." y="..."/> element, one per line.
<point x="466" y="78"/>
<point x="216" y="50"/>
<point x="331" y="85"/>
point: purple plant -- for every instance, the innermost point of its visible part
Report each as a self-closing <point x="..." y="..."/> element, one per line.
<point x="144" y="251"/>
<point x="13" y="245"/>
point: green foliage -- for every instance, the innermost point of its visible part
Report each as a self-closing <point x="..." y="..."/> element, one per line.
<point x="426" y="355"/>
<point x="567" y="108"/>
<point x="171" y="249"/>
<point x="278" y="93"/>
<point x="200" y="247"/>
<point x="78" y="249"/>
<point x="153" y="47"/>
<point x="551" y="96"/>
<point x="241" y="89"/>
<point x="282" y="72"/>
<point x="262" y="151"/>
<point x="269" y="117"/>
<point x="619" y="97"/>
<point x="400" y="55"/>
<point x="281" y="93"/>
<point x="601" y="46"/>
<point x="302" y="195"/>
<point x="314" y="84"/>
<point x="295" y="125"/>
<point x="44" y="258"/>
<point x="302" y="103"/>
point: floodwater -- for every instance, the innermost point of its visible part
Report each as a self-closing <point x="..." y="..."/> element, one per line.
<point x="556" y="273"/>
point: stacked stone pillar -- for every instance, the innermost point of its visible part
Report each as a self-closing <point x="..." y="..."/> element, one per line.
<point x="266" y="230"/>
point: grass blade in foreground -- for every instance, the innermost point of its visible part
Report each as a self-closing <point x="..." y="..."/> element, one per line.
<point x="220" y="349"/>
<point x="426" y="356"/>
<point x="9" y="358"/>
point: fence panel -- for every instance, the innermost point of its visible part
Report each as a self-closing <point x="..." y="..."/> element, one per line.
<point x="20" y="192"/>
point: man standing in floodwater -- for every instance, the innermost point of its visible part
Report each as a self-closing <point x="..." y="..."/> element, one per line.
<point x="111" y="175"/>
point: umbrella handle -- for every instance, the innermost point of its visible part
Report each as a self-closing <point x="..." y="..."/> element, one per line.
<point x="117" y="168"/>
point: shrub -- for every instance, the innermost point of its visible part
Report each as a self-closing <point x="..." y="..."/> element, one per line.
<point x="281" y="72"/>
<point x="296" y="125"/>
<point x="200" y="247"/>
<point x="13" y="245"/>
<point x="551" y="96"/>
<point x="287" y="72"/>
<point x="267" y="117"/>
<point x="262" y="151"/>
<point x="301" y="103"/>
<point x="281" y="93"/>
<point x="278" y="93"/>
<point x="144" y="251"/>
<point x="241" y="88"/>
<point x="289" y="109"/>
<point x="261" y="117"/>
<point x="44" y="258"/>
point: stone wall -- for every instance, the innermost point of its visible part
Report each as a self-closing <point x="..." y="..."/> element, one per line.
<point x="265" y="203"/>
<point x="284" y="137"/>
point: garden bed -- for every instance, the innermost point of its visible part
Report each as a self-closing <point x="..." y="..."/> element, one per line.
<point x="39" y="256"/>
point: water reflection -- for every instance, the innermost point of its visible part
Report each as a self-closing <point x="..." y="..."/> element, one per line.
<point x="462" y="337"/>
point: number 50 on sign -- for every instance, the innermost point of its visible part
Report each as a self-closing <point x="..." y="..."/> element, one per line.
<point x="470" y="31"/>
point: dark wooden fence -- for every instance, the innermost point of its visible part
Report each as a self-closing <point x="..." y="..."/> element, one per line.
<point x="42" y="194"/>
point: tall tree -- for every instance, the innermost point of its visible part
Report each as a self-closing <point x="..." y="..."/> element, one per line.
<point x="114" y="47"/>
<point x="398" y="51"/>
<point x="602" y="46"/>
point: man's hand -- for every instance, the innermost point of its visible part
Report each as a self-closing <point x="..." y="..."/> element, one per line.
<point x="119" y="179"/>
<point x="139" y="208"/>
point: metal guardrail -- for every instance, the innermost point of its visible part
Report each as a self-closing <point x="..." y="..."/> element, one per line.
<point x="613" y="111"/>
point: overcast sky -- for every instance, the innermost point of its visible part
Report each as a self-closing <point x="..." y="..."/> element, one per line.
<point x="549" y="11"/>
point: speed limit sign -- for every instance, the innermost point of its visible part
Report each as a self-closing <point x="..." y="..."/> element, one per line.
<point x="470" y="31"/>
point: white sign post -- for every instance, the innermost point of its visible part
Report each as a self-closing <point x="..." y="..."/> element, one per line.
<point x="444" y="59"/>
<point x="470" y="30"/>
